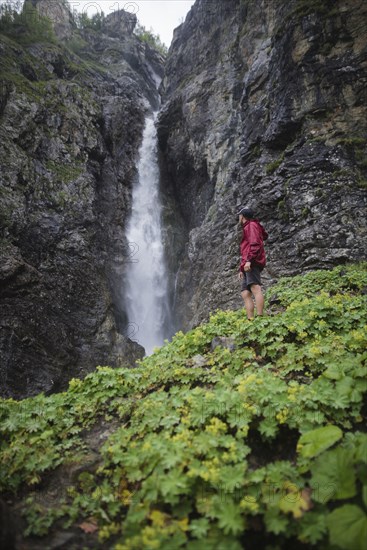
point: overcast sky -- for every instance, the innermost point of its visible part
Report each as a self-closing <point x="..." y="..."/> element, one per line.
<point x="160" y="15"/>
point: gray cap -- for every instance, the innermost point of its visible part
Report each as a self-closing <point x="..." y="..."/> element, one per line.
<point x="247" y="212"/>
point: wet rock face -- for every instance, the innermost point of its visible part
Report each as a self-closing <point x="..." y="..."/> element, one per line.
<point x="70" y="129"/>
<point x="264" y="104"/>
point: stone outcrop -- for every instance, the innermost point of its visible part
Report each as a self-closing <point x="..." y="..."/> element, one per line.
<point x="71" y="124"/>
<point x="58" y="13"/>
<point x="264" y="104"/>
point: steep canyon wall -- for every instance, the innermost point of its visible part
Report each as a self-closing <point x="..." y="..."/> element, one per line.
<point x="72" y="114"/>
<point x="264" y="105"/>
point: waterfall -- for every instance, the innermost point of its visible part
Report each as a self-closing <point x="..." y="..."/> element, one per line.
<point x="146" y="293"/>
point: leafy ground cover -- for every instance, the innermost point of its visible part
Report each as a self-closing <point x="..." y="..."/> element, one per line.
<point x="259" y="444"/>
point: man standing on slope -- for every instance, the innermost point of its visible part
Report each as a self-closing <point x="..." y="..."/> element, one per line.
<point x="253" y="261"/>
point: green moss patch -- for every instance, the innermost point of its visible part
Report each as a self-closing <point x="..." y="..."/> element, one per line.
<point x="64" y="172"/>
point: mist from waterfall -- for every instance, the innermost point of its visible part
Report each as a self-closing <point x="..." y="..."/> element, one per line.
<point x="146" y="287"/>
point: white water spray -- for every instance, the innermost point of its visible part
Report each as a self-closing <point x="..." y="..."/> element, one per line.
<point x="146" y="283"/>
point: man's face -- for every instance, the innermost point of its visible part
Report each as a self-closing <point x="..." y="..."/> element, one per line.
<point x="241" y="219"/>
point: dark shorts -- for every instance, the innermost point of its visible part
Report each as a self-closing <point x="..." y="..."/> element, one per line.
<point x="252" y="277"/>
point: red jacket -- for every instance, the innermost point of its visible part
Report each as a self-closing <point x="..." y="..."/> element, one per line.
<point x="252" y="244"/>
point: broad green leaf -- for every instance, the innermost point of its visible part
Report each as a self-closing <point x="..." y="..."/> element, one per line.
<point x="232" y="477"/>
<point x="312" y="527"/>
<point x="199" y="527"/>
<point x="316" y="441"/>
<point x="268" y="427"/>
<point x="334" y="372"/>
<point x="361" y="451"/>
<point x="275" y="523"/>
<point x="333" y="476"/>
<point x="173" y="484"/>
<point x="230" y="518"/>
<point x="348" y="527"/>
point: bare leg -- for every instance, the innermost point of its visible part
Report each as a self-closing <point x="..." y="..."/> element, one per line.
<point x="249" y="303"/>
<point x="259" y="298"/>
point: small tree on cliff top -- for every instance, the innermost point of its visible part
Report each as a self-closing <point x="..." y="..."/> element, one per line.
<point x="26" y="25"/>
<point x="150" y="38"/>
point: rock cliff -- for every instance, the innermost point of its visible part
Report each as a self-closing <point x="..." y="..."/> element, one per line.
<point x="58" y="13"/>
<point x="264" y="105"/>
<point x="71" y="123"/>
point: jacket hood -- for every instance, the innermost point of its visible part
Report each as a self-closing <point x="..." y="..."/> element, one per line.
<point x="263" y="231"/>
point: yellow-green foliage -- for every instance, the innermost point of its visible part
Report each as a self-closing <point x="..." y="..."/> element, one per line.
<point x="261" y="446"/>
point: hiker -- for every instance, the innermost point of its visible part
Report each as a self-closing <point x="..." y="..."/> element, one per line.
<point x="253" y="261"/>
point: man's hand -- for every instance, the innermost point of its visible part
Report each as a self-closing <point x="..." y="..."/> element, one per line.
<point x="247" y="266"/>
<point x="240" y="275"/>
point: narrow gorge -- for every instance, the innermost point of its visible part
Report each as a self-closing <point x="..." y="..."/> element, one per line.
<point x="260" y="103"/>
<point x="122" y="168"/>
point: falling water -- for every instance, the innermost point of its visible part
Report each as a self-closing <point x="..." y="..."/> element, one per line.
<point x="146" y="284"/>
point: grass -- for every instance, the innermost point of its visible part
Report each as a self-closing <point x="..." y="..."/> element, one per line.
<point x="64" y="172"/>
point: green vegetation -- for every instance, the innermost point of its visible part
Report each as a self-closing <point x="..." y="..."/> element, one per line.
<point x="255" y="151"/>
<point x="28" y="75"/>
<point x="306" y="211"/>
<point x="272" y="166"/>
<point x="282" y="209"/>
<point x="20" y="70"/>
<point x="267" y="439"/>
<point x="83" y="21"/>
<point x="95" y="22"/>
<point x="77" y="44"/>
<point x="65" y="172"/>
<point x="26" y="27"/>
<point x="150" y="38"/>
<point x="353" y="175"/>
<point x="351" y="141"/>
<point x="308" y="7"/>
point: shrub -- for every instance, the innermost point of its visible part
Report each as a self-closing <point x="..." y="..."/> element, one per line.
<point x="262" y="445"/>
<point x="83" y="21"/>
<point x="150" y="38"/>
<point x="25" y="27"/>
